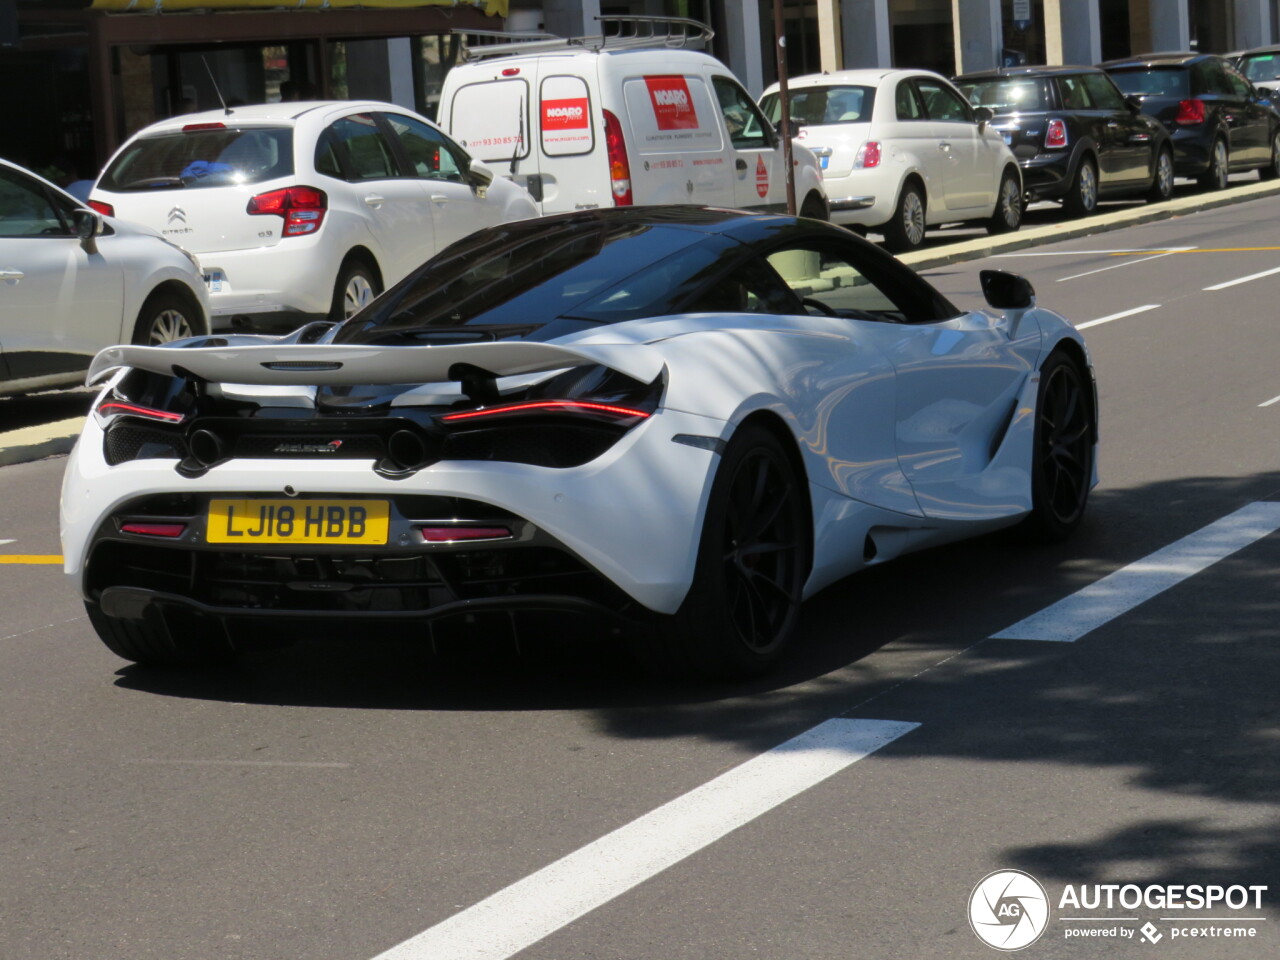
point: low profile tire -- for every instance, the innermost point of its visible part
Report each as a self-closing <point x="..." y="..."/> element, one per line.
<point x="1062" y="465"/>
<point x="357" y="284"/>
<point x="1162" y="182"/>
<point x="1272" y="170"/>
<point x="1082" y="199"/>
<point x="154" y="641"/>
<point x="1007" y="216"/>
<point x="905" y="230"/>
<point x="165" y="317"/>
<point x="753" y="560"/>
<point x="1215" y="178"/>
<point x="814" y="208"/>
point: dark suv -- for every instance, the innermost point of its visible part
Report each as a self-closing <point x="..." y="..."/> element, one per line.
<point x="1219" y="121"/>
<point x="1075" y="136"/>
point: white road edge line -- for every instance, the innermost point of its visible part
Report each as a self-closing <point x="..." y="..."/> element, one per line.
<point x="1270" y="402"/>
<point x="1118" y="316"/>
<point x="533" y="908"/>
<point x="1252" y="276"/>
<point x="2" y="542"/>
<point x="1126" y="263"/>
<point x="1072" y="617"/>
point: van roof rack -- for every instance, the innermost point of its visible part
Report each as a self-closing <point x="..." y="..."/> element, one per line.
<point x="617" y="33"/>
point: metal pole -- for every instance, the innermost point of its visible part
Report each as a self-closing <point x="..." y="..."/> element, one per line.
<point x="785" y="100"/>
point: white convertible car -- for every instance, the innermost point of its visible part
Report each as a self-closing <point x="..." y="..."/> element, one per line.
<point x="684" y="420"/>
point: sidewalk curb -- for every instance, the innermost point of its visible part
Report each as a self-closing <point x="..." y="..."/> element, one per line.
<point x="1053" y="233"/>
<point x="37" y="443"/>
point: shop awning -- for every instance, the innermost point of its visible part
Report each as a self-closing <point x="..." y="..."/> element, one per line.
<point x="490" y="7"/>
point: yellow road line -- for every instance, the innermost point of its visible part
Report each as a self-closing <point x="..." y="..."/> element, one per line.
<point x="48" y="558"/>
<point x="1144" y="253"/>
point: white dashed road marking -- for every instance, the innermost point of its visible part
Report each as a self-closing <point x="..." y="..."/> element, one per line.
<point x="1270" y="402"/>
<point x="1118" y="316"/>
<point x="1128" y="263"/>
<point x="543" y="902"/>
<point x="1072" y="617"/>
<point x="1252" y="276"/>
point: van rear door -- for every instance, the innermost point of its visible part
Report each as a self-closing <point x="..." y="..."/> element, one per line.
<point x="489" y="115"/>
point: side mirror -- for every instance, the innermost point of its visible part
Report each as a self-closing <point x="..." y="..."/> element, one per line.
<point x="790" y="130"/>
<point x="983" y="116"/>
<point x="481" y="175"/>
<point x="1134" y="103"/>
<point x="1007" y="291"/>
<point x="86" y="224"/>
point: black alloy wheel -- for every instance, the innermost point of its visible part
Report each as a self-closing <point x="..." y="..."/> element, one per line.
<point x="753" y="560"/>
<point x="1062" y="468"/>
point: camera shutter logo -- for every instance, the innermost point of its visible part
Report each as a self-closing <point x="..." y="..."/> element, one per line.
<point x="1008" y="910"/>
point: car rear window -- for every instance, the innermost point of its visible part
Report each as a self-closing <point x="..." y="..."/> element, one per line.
<point x="1154" y="82"/>
<point x="815" y="106"/>
<point x="1264" y="66"/>
<point x="205" y="157"/>
<point x="1007" y="96"/>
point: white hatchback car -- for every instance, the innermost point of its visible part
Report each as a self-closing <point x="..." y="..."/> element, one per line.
<point x="901" y="150"/>
<point x="304" y="210"/>
<point x="73" y="282"/>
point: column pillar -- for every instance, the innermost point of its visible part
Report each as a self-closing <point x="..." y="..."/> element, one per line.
<point x="979" y="34"/>
<point x="1072" y="32"/>
<point x="1252" y="24"/>
<point x="741" y="33"/>
<point x="830" y="47"/>
<point x="1170" y="25"/>
<point x="868" y="41"/>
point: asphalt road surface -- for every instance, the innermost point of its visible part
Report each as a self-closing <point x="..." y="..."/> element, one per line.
<point x="354" y="800"/>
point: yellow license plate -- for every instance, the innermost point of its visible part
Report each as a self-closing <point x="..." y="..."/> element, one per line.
<point x="250" y="522"/>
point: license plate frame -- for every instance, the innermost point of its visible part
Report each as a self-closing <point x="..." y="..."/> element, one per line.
<point x="269" y="521"/>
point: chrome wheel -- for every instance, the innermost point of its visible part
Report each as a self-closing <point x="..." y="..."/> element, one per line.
<point x="1164" y="175"/>
<point x="357" y="294"/>
<point x="1088" y="187"/>
<point x="913" y="218"/>
<point x="1272" y="170"/>
<point x="1219" y="168"/>
<point x="169" y="324"/>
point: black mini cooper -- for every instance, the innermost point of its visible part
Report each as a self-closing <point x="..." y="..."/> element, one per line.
<point x="1075" y="135"/>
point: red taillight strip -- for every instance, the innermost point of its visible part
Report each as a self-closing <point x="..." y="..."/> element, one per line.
<point x="564" y="405"/>
<point x="450" y="534"/>
<point x="155" y="529"/>
<point x="115" y="406"/>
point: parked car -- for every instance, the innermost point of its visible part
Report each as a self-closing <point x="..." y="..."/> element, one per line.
<point x="303" y="210"/>
<point x="73" y="282"/>
<point x="901" y="150"/>
<point x="1261" y="67"/>
<point x="683" y="420"/>
<point x="585" y="123"/>
<point x="1074" y="134"/>
<point x="1220" y="123"/>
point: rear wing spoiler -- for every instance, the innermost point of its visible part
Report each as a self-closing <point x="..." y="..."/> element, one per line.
<point x="348" y="365"/>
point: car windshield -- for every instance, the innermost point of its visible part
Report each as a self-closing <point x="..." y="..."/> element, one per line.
<point x="508" y="278"/>
<point x="815" y="106"/>
<point x="1154" y="82"/>
<point x="203" y="155"/>
<point x="1007" y="96"/>
<point x="1264" y="66"/>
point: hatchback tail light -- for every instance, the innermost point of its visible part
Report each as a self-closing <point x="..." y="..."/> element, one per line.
<point x="619" y="168"/>
<point x="868" y="155"/>
<point x="302" y="208"/>
<point x="106" y="209"/>
<point x="1190" y="111"/>
<point x="1056" y="136"/>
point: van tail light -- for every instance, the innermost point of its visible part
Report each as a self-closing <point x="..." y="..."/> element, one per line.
<point x="1056" y="136"/>
<point x="106" y="209"/>
<point x="1190" y="111"/>
<point x="302" y="208"/>
<point x="868" y="155"/>
<point x="619" y="169"/>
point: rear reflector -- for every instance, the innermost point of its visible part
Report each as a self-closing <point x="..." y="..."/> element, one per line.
<point x="549" y="406"/>
<point x="116" y="407"/>
<point x="155" y="529"/>
<point x="106" y="209"/>
<point x="450" y="534"/>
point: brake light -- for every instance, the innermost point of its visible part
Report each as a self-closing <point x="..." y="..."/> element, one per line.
<point x="1190" y="111"/>
<point x="1056" y="136"/>
<point x="303" y="208"/>
<point x="118" y="407"/>
<point x="619" y="169"/>
<point x="106" y="209"/>
<point x="607" y="410"/>
<point x="511" y="72"/>
<point x="155" y="529"/>
<point x="193" y="127"/>
<point x="868" y="155"/>
<point x="450" y="534"/>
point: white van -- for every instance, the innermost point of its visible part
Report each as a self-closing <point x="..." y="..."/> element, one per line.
<point x="598" y="122"/>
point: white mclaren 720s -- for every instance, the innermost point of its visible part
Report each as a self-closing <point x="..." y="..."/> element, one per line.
<point x="681" y="420"/>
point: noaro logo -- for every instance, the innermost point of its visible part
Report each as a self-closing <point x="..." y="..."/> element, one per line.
<point x="564" y="114"/>
<point x="672" y="106"/>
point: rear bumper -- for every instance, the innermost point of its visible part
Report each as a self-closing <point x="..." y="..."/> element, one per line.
<point x="1192" y="150"/>
<point x="274" y="286"/>
<point x="1047" y="176"/>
